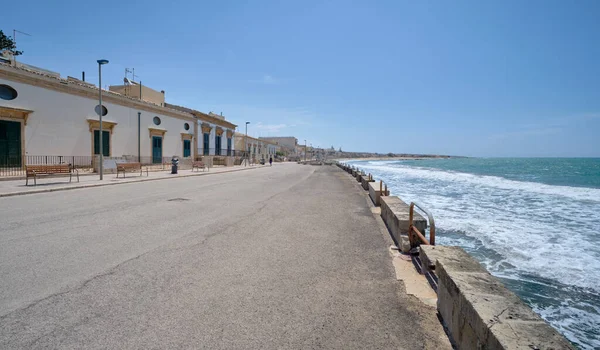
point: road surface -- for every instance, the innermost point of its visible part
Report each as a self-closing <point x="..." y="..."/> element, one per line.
<point x="287" y="256"/>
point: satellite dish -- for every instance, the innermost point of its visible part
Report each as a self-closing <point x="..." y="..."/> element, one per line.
<point x="127" y="81"/>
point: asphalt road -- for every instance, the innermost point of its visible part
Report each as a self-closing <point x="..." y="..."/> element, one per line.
<point x="272" y="258"/>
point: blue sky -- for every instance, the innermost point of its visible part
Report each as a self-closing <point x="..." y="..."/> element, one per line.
<point x="476" y="78"/>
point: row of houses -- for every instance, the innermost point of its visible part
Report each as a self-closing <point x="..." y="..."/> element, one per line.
<point x="258" y="149"/>
<point x="42" y="114"/>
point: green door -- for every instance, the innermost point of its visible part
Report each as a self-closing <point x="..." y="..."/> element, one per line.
<point x="218" y="145"/>
<point x="105" y="143"/>
<point x="10" y="143"/>
<point x="156" y="149"/>
<point x="187" y="148"/>
<point x="205" y="144"/>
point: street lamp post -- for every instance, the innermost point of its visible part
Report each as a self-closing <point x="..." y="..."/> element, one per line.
<point x="246" y="144"/>
<point x="100" y="110"/>
<point x="305" y="151"/>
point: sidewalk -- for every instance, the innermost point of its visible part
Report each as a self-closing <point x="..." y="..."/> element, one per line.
<point x="61" y="183"/>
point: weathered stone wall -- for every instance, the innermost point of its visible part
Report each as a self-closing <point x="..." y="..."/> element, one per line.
<point x="479" y="311"/>
<point x="365" y="182"/>
<point x="395" y="213"/>
<point x="359" y="176"/>
<point x="375" y="192"/>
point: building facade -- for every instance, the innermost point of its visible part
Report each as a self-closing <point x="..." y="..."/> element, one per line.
<point x="258" y="149"/>
<point x="140" y="92"/>
<point x="215" y="134"/>
<point x="42" y="115"/>
<point x="287" y="144"/>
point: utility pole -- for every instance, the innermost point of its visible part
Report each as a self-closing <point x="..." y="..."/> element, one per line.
<point x="100" y="111"/>
<point x="246" y="145"/>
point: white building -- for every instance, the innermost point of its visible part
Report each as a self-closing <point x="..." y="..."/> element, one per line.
<point x="44" y="115"/>
<point x="257" y="149"/>
<point x="215" y="134"/>
<point x="287" y="143"/>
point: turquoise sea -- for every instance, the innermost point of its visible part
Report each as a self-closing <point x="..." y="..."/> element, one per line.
<point x="533" y="222"/>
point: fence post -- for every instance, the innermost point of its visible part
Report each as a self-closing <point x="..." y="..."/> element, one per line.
<point x="410" y="223"/>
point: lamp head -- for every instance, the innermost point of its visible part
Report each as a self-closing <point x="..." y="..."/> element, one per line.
<point x="101" y="62"/>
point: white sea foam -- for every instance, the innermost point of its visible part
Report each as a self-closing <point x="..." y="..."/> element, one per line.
<point x="539" y="229"/>
<point x="576" y="193"/>
<point x="518" y="229"/>
<point x="571" y="320"/>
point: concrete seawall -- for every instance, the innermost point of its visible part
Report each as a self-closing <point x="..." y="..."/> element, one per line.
<point x="359" y="176"/>
<point x="477" y="309"/>
<point x="376" y="190"/>
<point x="394" y="213"/>
<point x="365" y="182"/>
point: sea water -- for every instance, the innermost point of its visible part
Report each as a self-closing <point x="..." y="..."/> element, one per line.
<point x="534" y="223"/>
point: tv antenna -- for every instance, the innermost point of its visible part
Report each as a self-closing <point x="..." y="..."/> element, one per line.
<point x="132" y="71"/>
<point x="15" y="31"/>
<point x="15" y="41"/>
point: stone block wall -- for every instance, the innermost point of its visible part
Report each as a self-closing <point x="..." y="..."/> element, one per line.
<point x="395" y="213"/>
<point x="479" y="311"/>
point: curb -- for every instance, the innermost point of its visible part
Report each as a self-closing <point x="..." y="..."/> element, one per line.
<point x="23" y="193"/>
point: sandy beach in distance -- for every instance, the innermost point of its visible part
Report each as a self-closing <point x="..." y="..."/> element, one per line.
<point x="388" y="158"/>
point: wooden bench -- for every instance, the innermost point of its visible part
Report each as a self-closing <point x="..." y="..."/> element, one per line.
<point x="130" y="168"/>
<point x="52" y="169"/>
<point x="199" y="165"/>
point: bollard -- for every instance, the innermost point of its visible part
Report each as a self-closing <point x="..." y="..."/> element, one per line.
<point x="174" y="164"/>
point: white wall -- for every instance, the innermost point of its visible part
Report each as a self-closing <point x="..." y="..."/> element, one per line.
<point x="212" y="141"/>
<point x="58" y="124"/>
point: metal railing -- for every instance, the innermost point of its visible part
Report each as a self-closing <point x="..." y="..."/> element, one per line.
<point x="414" y="235"/>
<point x="383" y="189"/>
<point x="15" y="165"/>
<point x="234" y="153"/>
<point x="216" y="152"/>
<point x="219" y="160"/>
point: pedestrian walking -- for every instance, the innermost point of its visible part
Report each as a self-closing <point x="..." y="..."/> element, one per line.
<point x="271" y="161"/>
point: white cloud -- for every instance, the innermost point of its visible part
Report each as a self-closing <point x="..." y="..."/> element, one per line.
<point x="271" y="128"/>
<point x="271" y="120"/>
<point x="267" y="80"/>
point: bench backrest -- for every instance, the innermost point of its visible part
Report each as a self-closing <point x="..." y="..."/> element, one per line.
<point x="198" y="164"/>
<point x="129" y="165"/>
<point x="48" y="169"/>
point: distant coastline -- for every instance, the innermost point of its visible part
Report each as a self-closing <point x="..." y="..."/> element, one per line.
<point x="394" y="157"/>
